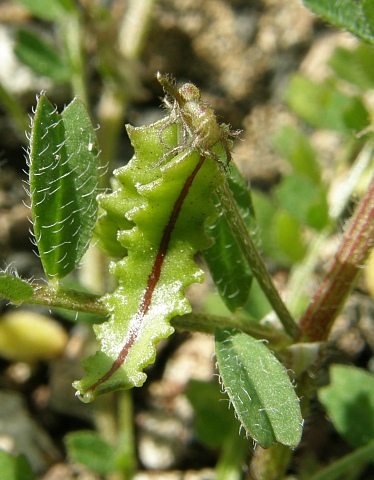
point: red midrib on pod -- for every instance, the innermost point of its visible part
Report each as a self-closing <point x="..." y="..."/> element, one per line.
<point x="153" y="277"/>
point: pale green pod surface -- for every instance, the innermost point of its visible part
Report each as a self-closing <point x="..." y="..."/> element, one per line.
<point x="166" y="202"/>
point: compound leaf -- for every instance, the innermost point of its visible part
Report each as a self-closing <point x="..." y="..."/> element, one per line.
<point x="360" y="59"/>
<point x="295" y="147"/>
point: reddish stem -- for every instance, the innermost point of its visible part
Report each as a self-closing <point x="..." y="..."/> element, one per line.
<point x="355" y="248"/>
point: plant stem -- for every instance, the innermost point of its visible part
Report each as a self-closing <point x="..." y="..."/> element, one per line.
<point x="270" y="463"/>
<point x="338" y="282"/>
<point x="106" y="423"/>
<point x="125" y="437"/>
<point x="296" y="301"/>
<point x="254" y="260"/>
<point x="347" y="188"/>
<point x="133" y="30"/>
<point x="61" y="297"/>
<point x="15" y="111"/>
<point x="70" y="25"/>
<point x="349" y="462"/>
<point x="206" y="323"/>
<point x="233" y="454"/>
<point x="134" y="27"/>
<point x="110" y="114"/>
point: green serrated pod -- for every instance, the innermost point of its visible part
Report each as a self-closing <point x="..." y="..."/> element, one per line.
<point x="166" y="206"/>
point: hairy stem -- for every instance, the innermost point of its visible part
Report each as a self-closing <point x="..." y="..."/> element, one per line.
<point x="270" y="463"/>
<point x="126" y="434"/>
<point x="254" y="259"/>
<point x="72" y="36"/>
<point x="60" y="297"/>
<point x="338" y="282"/>
<point x="206" y="323"/>
<point x="232" y="457"/>
<point x="303" y="271"/>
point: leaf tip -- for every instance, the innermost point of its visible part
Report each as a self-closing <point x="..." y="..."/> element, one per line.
<point x="85" y="397"/>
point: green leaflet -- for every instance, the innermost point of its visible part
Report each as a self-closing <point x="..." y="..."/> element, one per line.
<point x="259" y="388"/>
<point x="44" y="59"/>
<point x="356" y="17"/>
<point x="349" y="402"/>
<point x="63" y="183"/>
<point x="227" y="265"/>
<point x="14" y="288"/>
<point x="48" y="9"/>
<point x="161" y="208"/>
<point x="15" y="467"/>
<point x="88" y="448"/>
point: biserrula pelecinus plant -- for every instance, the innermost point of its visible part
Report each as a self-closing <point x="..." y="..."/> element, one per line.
<point x="156" y="219"/>
<point x="63" y="183"/>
